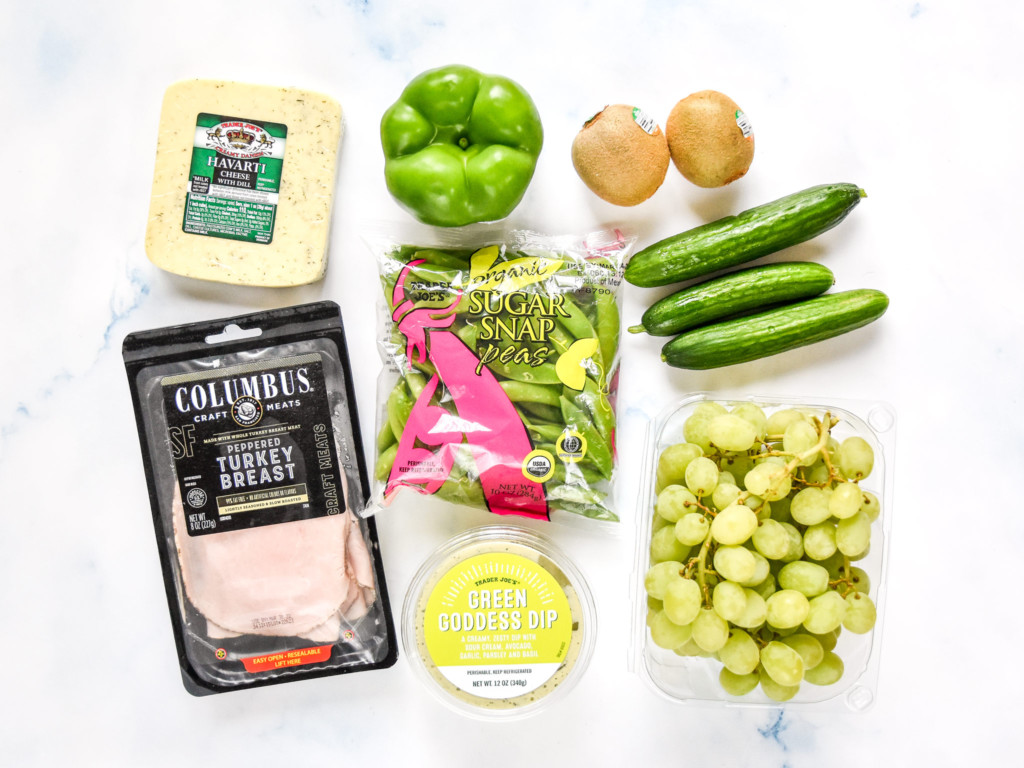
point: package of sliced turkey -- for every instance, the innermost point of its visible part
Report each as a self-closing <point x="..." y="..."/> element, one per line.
<point x="251" y="448"/>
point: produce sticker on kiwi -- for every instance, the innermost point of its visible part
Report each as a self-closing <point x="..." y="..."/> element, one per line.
<point x="497" y="625"/>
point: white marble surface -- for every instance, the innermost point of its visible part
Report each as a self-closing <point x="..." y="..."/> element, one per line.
<point x="918" y="102"/>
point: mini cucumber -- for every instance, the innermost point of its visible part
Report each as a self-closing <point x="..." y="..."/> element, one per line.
<point x="733" y="294"/>
<point x="744" y="237"/>
<point x="775" y="330"/>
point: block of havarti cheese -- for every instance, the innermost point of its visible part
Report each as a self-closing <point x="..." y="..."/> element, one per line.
<point x="244" y="183"/>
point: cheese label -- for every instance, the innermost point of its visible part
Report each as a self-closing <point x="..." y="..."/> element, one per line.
<point x="235" y="178"/>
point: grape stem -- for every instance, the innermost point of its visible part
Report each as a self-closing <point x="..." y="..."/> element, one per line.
<point x="824" y="430"/>
<point x="702" y="570"/>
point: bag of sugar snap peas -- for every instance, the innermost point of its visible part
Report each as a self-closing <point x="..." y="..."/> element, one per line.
<point x="500" y="354"/>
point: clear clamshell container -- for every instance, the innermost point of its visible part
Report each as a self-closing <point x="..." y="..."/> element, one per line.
<point x="498" y="623"/>
<point x="666" y="653"/>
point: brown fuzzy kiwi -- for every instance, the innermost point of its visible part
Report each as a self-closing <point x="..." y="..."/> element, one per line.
<point x="621" y="154"/>
<point x="706" y="139"/>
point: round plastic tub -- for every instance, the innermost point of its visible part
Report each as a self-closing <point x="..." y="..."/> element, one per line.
<point x="498" y="623"/>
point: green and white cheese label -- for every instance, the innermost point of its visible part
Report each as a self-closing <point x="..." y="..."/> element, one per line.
<point x="235" y="178"/>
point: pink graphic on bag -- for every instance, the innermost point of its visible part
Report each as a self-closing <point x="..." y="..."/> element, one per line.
<point x="484" y="420"/>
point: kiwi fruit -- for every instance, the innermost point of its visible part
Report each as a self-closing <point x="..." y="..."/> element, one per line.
<point x="621" y="154"/>
<point x="710" y="139"/>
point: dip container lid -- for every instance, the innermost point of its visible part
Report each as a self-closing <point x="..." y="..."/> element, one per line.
<point x="498" y="623"/>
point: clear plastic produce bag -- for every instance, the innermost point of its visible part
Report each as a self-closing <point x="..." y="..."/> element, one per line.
<point x="500" y="371"/>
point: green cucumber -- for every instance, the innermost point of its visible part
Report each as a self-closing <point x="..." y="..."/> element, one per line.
<point x="744" y="237"/>
<point x="733" y="294"/>
<point x="776" y="330"/>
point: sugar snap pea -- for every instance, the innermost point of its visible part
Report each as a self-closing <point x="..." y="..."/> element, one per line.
<point x="385" y="437"/>
<point x="399" y="406"/>
<point x="596" y="405"/>
<point x="544" y="373"/>
<point x="608" y="324"/>
<point x="524" y="392"/>
<point x="385" y="460"/>
<point x="548" y="433"/>
<point x="597" y="447"/>
<point x="574" y="320"/>
<point x="551" y="414"/>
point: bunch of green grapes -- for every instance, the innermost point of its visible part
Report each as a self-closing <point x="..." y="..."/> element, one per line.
<point x="757" y="526"/>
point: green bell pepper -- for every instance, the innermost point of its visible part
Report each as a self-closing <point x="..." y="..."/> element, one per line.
<point x="460" y="147"/>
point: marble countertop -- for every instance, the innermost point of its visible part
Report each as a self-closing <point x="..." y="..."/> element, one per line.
<point x="917" y="102"/>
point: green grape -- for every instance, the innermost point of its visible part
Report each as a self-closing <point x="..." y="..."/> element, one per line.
<point x="768" y="480"/>
<point x="857" y="578"/>
<point x="810" y="506"/>
<point x="856" y="458"/>
<point x="860" y="555"/>
<point x="739" y="654"/>
<point x="651" y="613"/>
<point x="754" y="613"/>
<point x="774" y="690"/>
<point x="780" y="509"/>
<point x="853" y="535"/>
<point x="731" y="432"/>
<point x="690" y="648"/>
<point x="779" y="421"/>
<point x="701" y="476"/>
<point x="820" y="540"/>
<point x="827" y="672"/>
<point x="782" y="663"/>
<point x="674" y="501"/>
<point x="772" y="540"/>
<point x="845" y="500"/>
<point x="860" y="614"/>
<point x="766" y="587"/>
<point x="695" y="428"/>
<point x="735" y="563"/>
<point x="653" y="603"/>
<point x="762" y="570"/>
<point x="737" y="685"/>
<point x="659" y="576"/>
<point x="828" y="640"/>
<point x="807" y="646"/>
<point x="796" y="543"/>
<point x="665" y="546"/>
<point x="870" y="506"/>
<point x="786" y="608"/>
<point x="658" y="522"/>
<point x="692" y="528"/>
<point x="817" y="474"/>
<point x="729" y="600"/>
<point x="725" y="493"/>
<point x="725" y="476"/>
<point x="737" y="466"/>
<point x="734" y="524"/>
<point x="799" y="440"/>
<point x="665" y="633"/>
<point x="755" y="416"/>
<point x="834" y="565"/>
<point x="682" y="600"/>
<point x="825" y="613"/>
<point x="810" y="579"/>
<point x="710" y="631"/>
<point x="672" y="464"/>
